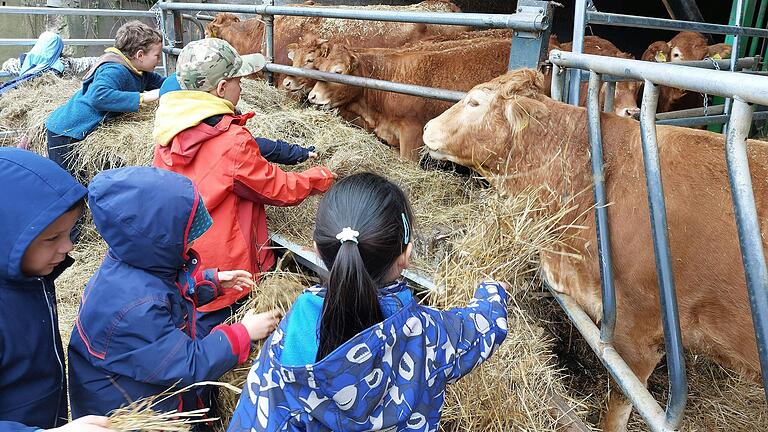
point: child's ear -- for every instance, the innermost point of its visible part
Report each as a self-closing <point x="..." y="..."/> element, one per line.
<point x="220" y="87"/>
<point x="139" y="54"/>
<point x="404" y="260"/>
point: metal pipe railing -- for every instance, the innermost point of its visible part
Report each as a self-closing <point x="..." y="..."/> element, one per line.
<point x="707" y="120"/>
<point x="409" y="89"/>
<point x="673" y="341"/>
<point x="79" y="42"/>
<point x="519" y="21"/>
<point x="603" y="18"/>
<point x="579" y="26"/>
<point x="748" y="226"/>
<point x="735" y="49"/>
<point x="610" y="96"/>
<point x="742" y="63"/>
<point x="608" y="322"/>
<point x="269" y="35"/>
<point x="713" y="82"/>
<point x="74" y="11"/>
<point x="627" y="381"/>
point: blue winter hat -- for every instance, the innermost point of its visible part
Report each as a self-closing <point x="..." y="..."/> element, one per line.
<point x="200" y="223"/>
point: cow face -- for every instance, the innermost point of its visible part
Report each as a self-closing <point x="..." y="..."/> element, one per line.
<point x="625" y="99"/>
<point x="481" y="129"/>
<point x="223" y="19"/>
<point x="659" y="52"/>
<point x="340" y="60"/>
<point x="688" y="46"/>
<point x="304" y="54"/>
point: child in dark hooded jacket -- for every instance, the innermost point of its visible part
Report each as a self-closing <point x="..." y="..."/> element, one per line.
<point x="359" y="353"/>
<point x="42" y="204"/>
<point x="135" y="335"/>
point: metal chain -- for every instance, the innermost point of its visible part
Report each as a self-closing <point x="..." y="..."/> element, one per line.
<point x="159" y="22"/>
<point x="706" y="96"/>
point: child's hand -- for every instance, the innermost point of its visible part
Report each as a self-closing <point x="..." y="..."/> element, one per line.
<point x="237" y="279"/>
<point x="312" y="155"/>
<point x="85" y="424"/>
<point x="150" y="96"/>
<point x="260" y="325"/>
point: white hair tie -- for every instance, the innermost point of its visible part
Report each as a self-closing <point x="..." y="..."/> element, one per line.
<point x="347" y="234"/>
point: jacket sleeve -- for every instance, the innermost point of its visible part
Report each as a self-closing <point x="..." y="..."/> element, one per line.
<point x="105" y="90"/>
<point x="153" y="80"/>
<point x="257" y="180"/>
<point x="7" y="426"/>
<point x="473" y="333"/>
<point x="282" y="152"/>
<point x="207" y="286"/>
<point x="147" y="347"/>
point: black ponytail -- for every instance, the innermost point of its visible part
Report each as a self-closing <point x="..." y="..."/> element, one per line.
<point x="378" y="210"/>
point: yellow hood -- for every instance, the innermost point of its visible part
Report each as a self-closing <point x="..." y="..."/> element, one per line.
<point x="128" y="61"/>
<point x="183" y="109"/>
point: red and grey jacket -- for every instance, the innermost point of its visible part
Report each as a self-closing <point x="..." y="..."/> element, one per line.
<point x="135" y="335"/>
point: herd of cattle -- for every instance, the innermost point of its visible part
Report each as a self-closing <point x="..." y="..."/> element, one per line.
<point x="510" y="130"/>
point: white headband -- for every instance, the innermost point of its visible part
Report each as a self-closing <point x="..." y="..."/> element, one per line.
<point x="347" y="234"/>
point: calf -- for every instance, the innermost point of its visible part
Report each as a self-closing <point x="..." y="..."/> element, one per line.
<point x="395" y="118"/>
<point x="520" y="138"/>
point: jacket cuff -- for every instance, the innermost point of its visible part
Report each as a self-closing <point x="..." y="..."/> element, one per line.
<point x="238" y="338"/>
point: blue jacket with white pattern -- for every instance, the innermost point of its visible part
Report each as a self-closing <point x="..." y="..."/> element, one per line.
<point x="391" y="376"/>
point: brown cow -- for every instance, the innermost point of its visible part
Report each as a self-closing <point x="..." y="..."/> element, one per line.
<point x="520" y="138"/>
<point x="248" y="36"/>
<point x="395" y="118"/>
<point x="625" y="97"/>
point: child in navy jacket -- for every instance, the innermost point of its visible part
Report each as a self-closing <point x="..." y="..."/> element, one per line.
<point x="44" y="202"/>
<point x="135" y="335"/>
<point x="121" y="81"/>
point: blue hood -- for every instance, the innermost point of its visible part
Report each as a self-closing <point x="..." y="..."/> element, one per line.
<point x="144" y="214"/>
<point x="44" y="55"/>
<point x="36" y="192"/>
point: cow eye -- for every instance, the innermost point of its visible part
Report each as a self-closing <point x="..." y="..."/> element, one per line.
<point x="310" y="60"/>
<point x="473" y="103"/>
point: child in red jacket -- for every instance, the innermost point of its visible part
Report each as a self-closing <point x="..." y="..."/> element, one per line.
<point x="224" y="160"/>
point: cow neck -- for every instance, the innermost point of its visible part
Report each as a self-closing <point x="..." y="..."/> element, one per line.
<point x="553" y="151"/>
<point x="369" y="103"/>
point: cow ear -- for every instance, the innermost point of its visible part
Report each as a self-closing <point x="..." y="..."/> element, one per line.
<point x="523" y="82"/>
<point x="723" y="51"/>
<point x="291" y="50"/>
<point x="352" y="62"/>
<point x="325" y="48"/>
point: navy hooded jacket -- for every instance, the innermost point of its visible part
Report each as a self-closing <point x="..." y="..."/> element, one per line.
<point x="36" y="192"/>
<point x="135" y="333"/>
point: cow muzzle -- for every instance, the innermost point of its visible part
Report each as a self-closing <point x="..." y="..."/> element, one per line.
<point x="318" y="99"/>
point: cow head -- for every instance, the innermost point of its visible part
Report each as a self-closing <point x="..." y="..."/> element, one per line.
<point x="688" y="46"/>
<point x="480" y="130"/>
<point x="659" y="52"/>
<point x="223" y="19"/>
<point x="304" y="54"/>
<point x="340" y="60"/>
<point x="719" y="51"/>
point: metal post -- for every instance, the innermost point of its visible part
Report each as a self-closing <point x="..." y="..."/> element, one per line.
<point x="678" y="385"/>
<point x="608" y="322"/>
<point x="734" y="52"/>
<point x="747" y="223"/>
<point x="558" y="83"/>
<point x="161" y="15"/>
<point x="528" y="49"/>
<point x="269" y="40"/>
<point x="610" y="95"/>
<point x="178" y="30"/>
<point x="579" y="25"/>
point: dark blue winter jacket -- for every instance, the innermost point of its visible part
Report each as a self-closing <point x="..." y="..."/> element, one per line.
<point x="135" y="332"/>
<point x="36" y="192"/>
<point x="113" y="89"/>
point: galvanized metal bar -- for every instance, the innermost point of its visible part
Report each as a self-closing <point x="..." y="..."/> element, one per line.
<point x="74" y="11"/>
<point x="610" y="96"/>
<point x="529" y="49"/>
<point x="627" y="381"/>
<point x="166" y="60"/>
<point x="711" y="110"/>
<point x="608" y="321"/>
<point x="734" y="50"/>
<point x="80" y="42"/>
<point x="558" y="83"/>
<point x="708" y="120"/>
<point x="748" y="225"/>
<point x="269" y="40"/>
<point x="603" y="18"/>
<point x="678" y="384"/>
<point x="312" y="261"/>
<point x="742" y="63"/>
<point x="519" y="21"/>
<point x="579" y="25"/>
<point x="712" y="82"/>
<point x="409" y="89"/>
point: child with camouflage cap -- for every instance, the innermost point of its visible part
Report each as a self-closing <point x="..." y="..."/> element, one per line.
<point x="223" y="158"/>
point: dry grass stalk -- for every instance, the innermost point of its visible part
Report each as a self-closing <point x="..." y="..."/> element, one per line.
<point x="140" y="415"/>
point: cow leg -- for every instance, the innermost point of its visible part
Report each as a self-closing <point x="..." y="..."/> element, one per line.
<point x="641" y="356"/>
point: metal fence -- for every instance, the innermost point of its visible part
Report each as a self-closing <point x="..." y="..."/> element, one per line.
<point x="744" y="93"/>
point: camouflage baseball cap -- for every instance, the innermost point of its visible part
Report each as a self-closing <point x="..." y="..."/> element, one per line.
<point x="205" y="62"/>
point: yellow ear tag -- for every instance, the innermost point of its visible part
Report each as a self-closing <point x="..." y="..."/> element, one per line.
<point x="717" y="57"/>
<point x="661" y="57"/>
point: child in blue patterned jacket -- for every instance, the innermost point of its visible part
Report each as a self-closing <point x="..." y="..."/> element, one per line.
<point x="121" y="81"/>
<point x="359" y="353"/>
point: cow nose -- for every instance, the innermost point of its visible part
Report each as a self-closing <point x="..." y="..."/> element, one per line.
<point x="629" y="112"/>
<point x="287" y="83"/>
<point x="312" y="97"/>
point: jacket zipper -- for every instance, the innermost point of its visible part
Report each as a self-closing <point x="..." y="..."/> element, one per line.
<point x="55" y="346"/>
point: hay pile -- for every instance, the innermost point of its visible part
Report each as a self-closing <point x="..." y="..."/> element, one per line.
<point x="466" y="232"/>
